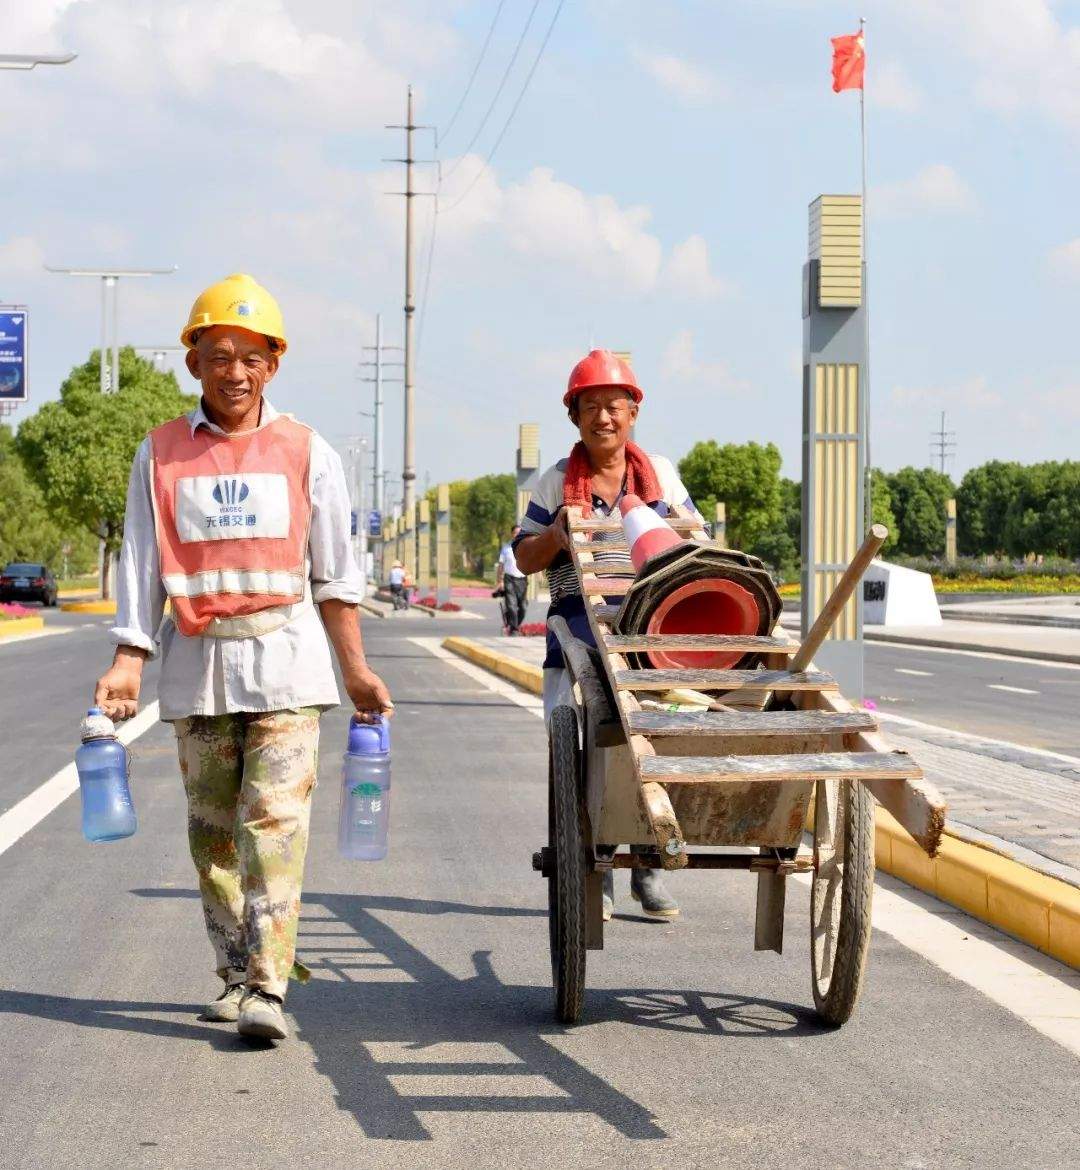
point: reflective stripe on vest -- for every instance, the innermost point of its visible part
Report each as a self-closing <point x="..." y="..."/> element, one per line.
<point x="232" y="515"/>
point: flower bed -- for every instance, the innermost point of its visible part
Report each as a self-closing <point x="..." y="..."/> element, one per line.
<point x="533" y="629"/>
<point x="446" y="607"/>
<point x="9" y="610"/>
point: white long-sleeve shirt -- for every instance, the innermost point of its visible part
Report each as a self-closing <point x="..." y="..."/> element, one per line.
<point x="286" y="668"/>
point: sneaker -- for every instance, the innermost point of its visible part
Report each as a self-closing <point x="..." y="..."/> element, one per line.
<point x="608" y="900"/>
<point x="226" y="1008"/>
<point x="261" y="1016"/>
<point x="647" y="887"/>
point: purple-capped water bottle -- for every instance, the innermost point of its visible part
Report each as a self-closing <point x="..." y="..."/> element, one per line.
<point x="107" y="811"/>
<point x="364" y="819"/>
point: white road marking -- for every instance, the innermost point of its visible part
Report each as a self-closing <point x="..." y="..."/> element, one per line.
<point x="491" y="681"/>
<point x="1042" y="992"/>
<point x="1011" y="690"/>
<point x="1039" y="990"/>
<point x="33" y="809"/>
<point x="919" y="673"/>
<point x="1014" y="659"/>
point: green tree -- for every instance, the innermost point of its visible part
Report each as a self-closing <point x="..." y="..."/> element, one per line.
<point x="79" y="449"/>
<point x="982" y="503"/>
<point x="1043" y="515"/>
<point x="918" y="501"/>
<point x="881" y="510"/>
<point x="746" y="476"/>
<point x="780" y="547"/>
<point x="27" y="531"/>
<point x="490" y="504"/>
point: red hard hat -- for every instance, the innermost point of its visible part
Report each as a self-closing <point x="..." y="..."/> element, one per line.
<point x="601" y="368"/>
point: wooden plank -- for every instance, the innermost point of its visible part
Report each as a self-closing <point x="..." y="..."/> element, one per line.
<point x="703" y="642"/>
<point x="604" y="524"/>
<point x="665" y="826"/>
<point x="816" y="766"/>
<point x="724" y="680"/>
<point x="593" y="586"/>
<point x="606" y="568"/>
<point x="750" y="723"/>
<point x="605" y="614"/>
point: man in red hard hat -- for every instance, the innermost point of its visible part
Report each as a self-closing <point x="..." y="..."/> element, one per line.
<point x="602" y="400"/>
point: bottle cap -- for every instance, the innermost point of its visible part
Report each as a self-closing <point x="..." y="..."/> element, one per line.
<point x="369" y="739"/>
<point x="97" y="726"/>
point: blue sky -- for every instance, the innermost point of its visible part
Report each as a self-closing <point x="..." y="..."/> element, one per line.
<point x="650" y="194"/>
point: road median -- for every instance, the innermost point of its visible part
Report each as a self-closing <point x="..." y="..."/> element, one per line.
<point x="99" y="605"/>
<point x="10" y="627"/>
<point x="991" y="886"/>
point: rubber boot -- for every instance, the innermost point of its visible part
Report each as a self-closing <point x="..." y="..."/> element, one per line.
<point x="607" y="880"/>
<point x="647" y="887"/>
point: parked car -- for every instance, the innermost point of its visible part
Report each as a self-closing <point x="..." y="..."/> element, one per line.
<point x="23" y="581"/>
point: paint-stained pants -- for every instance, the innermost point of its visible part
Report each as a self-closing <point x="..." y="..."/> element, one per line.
<point x="248" y="779"/>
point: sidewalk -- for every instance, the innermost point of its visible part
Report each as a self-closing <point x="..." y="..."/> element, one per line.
<point x="1061" y="611"/>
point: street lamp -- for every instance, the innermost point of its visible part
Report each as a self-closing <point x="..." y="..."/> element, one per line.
<point x="159" y="354"/>
<point x="30" y="60"/>
<point x="109" y="279"/>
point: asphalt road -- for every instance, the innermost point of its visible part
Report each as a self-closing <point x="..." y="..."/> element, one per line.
<point x="425" y="1038"/>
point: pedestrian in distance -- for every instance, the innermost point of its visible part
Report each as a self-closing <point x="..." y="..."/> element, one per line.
<point x="602" y="401"/>
<point x="238" y="516"/>
<point x="397" y="585"/>
<point x="514" y="583"/>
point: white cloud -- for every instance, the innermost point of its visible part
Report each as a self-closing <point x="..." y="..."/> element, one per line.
<point x="1025" y="58"/>
<point x="892" y="88"/>
<point x="973" y="394"/>
<point x="1064" y="260"/>
<point x="691" y="84"/>
<point x="935" y="189"/>
<point x="680" y="364"/>
<point x="687" y="272"/>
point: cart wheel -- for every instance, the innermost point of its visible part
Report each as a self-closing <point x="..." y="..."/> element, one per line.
<point x="843" y="888"/>
<point x="566" y="885"/>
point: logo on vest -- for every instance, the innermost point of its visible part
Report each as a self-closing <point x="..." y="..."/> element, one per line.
<point x="214" y="507"/>
<point x="231" y="491"/>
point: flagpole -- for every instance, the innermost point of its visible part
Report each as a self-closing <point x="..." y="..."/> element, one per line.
<point x="867" y="470"/>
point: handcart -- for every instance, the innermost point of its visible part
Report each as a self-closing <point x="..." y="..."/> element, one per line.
<point x="780" y="749"/>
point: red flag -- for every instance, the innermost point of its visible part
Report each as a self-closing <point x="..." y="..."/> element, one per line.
<point x="848" y="62"/>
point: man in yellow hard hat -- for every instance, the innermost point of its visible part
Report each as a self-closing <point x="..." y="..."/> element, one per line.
<point x="239" y="516"/>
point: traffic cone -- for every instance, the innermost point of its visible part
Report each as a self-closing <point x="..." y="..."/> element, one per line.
<point x="646" y="533"/>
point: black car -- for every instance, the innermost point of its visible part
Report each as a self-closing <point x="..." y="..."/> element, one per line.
<point x="23" y="581"/>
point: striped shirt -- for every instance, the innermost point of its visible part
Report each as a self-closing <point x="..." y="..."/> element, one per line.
<point x="545" y="505"/>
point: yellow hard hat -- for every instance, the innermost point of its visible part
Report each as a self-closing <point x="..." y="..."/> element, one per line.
<point x="237" y="300"/>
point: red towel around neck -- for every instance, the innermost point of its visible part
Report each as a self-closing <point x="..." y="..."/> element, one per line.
<point x="641" y="478"/>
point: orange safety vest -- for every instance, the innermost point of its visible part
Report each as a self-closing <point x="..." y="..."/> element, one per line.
<point x="232" y="515"/>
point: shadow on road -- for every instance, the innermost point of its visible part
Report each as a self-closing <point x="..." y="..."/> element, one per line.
<point x="381" y="1017"/>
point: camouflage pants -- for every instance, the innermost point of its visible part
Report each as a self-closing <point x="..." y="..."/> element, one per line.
<point x="248" y="779"/>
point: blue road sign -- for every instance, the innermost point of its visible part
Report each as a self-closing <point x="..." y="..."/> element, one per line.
<point x="13" y="353"/>
<point x="374" y="522"/>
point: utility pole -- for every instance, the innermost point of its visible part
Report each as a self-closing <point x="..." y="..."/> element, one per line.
<point x="378" y="365"/>
<point x="159" y="354"/>
<point x="408" y="470"/>
<point x="942" y="444"/>
<point x="110" y="308"/>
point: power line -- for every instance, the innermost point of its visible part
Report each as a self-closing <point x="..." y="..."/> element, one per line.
<point x="506" y="125"/>
<point x="498" y="92"/>
<point x="476" y="68"/>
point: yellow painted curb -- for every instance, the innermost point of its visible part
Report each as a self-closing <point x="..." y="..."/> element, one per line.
<point x="98" y="606"/>
<point x="89" y="591"/>
<point x="529" y="678"/>
<point x="13" y="626"/>
<point x="990" y="886"/>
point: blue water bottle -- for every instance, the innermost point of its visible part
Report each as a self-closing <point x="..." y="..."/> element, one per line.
<point x="364" y="819"/>
<point x="107" y="811"/>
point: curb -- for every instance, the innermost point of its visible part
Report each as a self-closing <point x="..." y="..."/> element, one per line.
<point x="529" y="678"/>
<point x="12" y="626"/>
<point x="1039" y="910"/>
<point x="367" y="607"/>
<point x="98" y="606"/>
<point x="1004" y="651"/>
